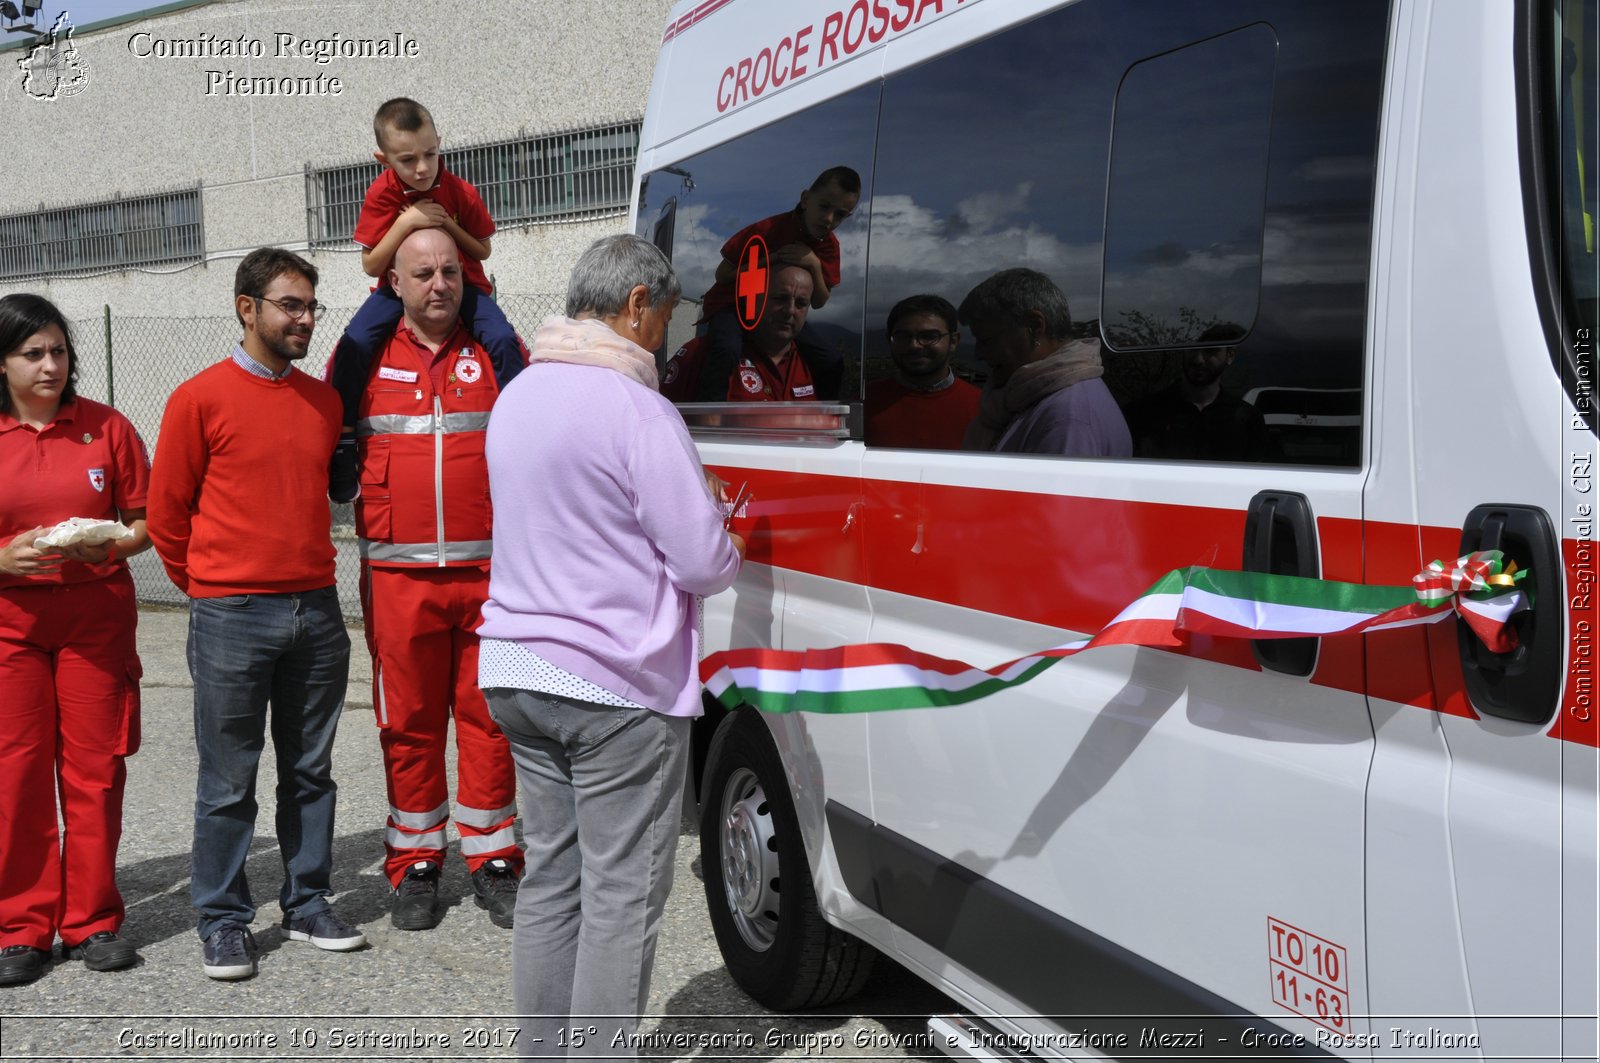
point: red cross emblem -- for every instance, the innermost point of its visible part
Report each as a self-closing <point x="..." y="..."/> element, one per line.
<point x="750" y="283"/>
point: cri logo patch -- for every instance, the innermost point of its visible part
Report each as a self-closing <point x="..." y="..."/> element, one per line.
<point x="468" y="369"/>
<point x="97" y="479"/>
<point x="750" y="282"/>
<point x="749" y="379"/>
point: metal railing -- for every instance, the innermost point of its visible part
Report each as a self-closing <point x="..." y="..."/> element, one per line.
<point x="569" y="176"/>
<point x="166" y="227"/>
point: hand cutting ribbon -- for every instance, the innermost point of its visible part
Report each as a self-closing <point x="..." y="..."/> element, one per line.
<point x="1252" y="605"/>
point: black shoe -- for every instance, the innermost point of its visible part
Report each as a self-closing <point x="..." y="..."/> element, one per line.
<point x="416" y="898"/>
<point x="21" y="964"/>
<point x="104" y="951"/>
<point x="344" y="480"/>
<point x="494" y="885"/>
<point x="230" y="953"/>
<point x="325" y="930"/>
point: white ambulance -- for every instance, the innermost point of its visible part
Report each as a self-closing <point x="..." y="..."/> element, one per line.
<point x="1369" y="847"/>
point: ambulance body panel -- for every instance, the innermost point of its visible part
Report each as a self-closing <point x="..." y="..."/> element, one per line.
<point x="1338" y="851"/>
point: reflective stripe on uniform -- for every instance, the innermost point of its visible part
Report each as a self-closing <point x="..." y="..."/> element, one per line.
<point x="383" y="701"/>
<point x="399" y="839"/>
<point x="478" y="844"/>
<point x="484" y="818"/>
<point x="426" y="553"/>
<point x="420" y="820"/>
<point x="402" y="424"/>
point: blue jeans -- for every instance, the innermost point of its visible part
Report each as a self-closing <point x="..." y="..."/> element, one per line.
<point x="602" y="788"/>
<point x="246" y="652"/>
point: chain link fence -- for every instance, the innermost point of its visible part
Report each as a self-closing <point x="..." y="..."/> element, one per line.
<point x="135" y="363"/>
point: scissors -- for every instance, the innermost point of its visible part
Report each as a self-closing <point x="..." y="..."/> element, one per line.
<point x="738" y="500"/>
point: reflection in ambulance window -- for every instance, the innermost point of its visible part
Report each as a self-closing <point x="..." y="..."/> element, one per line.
<point x="1197" y="417"/>
<point x="803" y="184"/>
<point x="1179" y="173"/>
<point x="1046" y="395"/>
<point x="768" y="364"/>
<point x="922" y="404"/>
<point x="1311" y="426"/>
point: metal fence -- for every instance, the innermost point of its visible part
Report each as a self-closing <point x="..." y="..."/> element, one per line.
<point x="570" y="176"/>
<point x="135" y="363"/>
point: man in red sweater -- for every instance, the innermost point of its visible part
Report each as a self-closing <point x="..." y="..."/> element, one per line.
<point x="924" y="405"/>
<point x="238" y="511"/>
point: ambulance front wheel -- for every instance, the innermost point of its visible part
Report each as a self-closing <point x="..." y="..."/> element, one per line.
<point x="774" y="941"/>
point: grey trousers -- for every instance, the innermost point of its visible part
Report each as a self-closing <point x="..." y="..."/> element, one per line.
<point x="601" y="794"/>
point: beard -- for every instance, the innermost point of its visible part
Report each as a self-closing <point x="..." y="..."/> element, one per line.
<point x="286" y="344"/>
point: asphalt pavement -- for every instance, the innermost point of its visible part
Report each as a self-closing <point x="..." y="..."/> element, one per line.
<point x="438" y="994"/>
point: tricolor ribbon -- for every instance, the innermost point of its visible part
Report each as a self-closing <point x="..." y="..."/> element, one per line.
<point x="875" y="677"/>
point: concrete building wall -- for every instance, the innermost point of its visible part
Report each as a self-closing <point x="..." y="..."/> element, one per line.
<point x="149" y="120"/>
<point x="489" y="70"/>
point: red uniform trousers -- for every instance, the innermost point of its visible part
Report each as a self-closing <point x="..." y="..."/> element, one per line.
<point x="69" y="715"/>
<point x="421" y="625"/>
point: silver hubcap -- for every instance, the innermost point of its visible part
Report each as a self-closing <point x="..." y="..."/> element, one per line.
<point x="749" y="861"/>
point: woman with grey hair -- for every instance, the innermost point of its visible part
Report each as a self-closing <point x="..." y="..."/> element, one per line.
<point x="605" y="532"/>
<point x="1045" y="394"/>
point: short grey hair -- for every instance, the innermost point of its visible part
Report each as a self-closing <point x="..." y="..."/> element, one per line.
<point x="611" y="268"/>
<point x="1011" y="295"/>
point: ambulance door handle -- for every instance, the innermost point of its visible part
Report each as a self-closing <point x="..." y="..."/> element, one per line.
<point x="1280" y="536"/>
<point x="1525" y="684"/>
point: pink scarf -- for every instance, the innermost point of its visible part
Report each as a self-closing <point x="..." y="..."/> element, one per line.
<point x="592" y="342"/>
<point x="1072" y="363"/>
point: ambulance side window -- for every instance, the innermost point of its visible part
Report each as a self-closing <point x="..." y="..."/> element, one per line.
<point x="1192" y="177"/>
<point x="696" y="205"/>
<point x="990" y="158"/>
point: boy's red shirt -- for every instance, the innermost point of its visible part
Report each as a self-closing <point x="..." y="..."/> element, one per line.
<point x="388" y="197"/>
<point x="780" y="230"/>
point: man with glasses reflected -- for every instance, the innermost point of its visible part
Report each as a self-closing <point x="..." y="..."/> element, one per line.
<point x="238" y="511"/>
<point x="924" y="405"/>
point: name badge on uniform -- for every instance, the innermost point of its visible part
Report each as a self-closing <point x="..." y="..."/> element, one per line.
<point x="97" y="479"/>
<point x="405" y="376"/>
<point x="467" y="368"/>
<point x="804" y="391"/>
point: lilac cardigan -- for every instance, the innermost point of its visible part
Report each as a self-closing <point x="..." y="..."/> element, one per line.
<point x="604" y="533"/>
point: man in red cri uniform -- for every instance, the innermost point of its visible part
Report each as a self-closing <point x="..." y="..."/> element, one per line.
<point x="423" y="518"/>
<point x="772" y="366"/>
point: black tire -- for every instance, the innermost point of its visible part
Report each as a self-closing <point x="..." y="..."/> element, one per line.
<point x="763" y="907"/>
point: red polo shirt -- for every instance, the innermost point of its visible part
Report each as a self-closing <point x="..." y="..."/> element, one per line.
<point x="88" y="462"/>
<point x="755" y="379"/>
<point x="780" y="230"/>
<point x="389" y="197"/>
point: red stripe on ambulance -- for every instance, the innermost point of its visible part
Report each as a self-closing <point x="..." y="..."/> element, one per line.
<point x="920" y="539"/>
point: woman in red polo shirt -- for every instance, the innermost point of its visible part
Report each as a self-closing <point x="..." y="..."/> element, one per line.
<point x="69" y="670"/>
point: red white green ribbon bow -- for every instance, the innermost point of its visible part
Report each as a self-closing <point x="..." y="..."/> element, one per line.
<point x="877" y="676"/>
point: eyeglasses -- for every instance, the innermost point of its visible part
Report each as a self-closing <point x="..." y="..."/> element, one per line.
<point x="294" y="307"/>
<point x="902" y="338"/>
